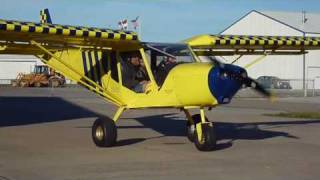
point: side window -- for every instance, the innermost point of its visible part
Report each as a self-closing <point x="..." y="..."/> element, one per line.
<point x="134" y="74"/>
<point x="97" y="63"/>
<point x="164" y="64"/>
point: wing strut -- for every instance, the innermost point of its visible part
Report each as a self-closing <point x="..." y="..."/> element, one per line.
<point x="255" y="61"/>
<point x="87" y="81"/>
<point x="236" y="59"/>
<point x="266" y="53"/>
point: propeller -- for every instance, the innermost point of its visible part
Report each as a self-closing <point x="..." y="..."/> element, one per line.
<point x="246" y="81"/>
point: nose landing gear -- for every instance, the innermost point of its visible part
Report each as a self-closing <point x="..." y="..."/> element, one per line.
<point x="201" y="131"/>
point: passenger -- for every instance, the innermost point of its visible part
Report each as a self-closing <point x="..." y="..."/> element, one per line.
<point x="171" y="60"/>
<point x="135" y="76"/>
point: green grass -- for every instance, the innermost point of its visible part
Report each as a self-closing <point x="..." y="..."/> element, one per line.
<point x="303" y="115"/>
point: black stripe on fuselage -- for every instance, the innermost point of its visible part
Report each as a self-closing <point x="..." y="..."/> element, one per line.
<point x="84" y="59"/>
<point x="113" y="66"/>
<point x="96" y="57"/>
<point x="91" y="66"/>
<point x="104" y="61"/>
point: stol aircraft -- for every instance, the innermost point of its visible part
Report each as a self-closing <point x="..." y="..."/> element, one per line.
<point x="132" y="74"/>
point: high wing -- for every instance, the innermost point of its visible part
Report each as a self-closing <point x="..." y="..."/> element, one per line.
<point x="86" y="55"/>
<point x="224" y="45"/>
<point x="16" y="37"/>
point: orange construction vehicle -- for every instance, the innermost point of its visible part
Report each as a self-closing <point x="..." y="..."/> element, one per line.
<point x="42" y="76"/>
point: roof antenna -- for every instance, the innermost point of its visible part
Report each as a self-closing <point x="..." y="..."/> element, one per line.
<point x="304" y="17"/>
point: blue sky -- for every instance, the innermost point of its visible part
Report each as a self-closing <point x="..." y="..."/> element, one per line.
<point x="162" y="20"/>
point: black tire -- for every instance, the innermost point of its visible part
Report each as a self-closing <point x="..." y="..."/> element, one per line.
<point x="104" y="132"/>
<point x="209" y="138"/>
<point x="191" y="127"/>
<point x="37" y="84"/>
<point x="23" y="84"/>
<point x="54" y="83"/>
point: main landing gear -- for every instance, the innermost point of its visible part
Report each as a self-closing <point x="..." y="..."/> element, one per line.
<point x="201" y="131"/>
<point x="104" y="132"/>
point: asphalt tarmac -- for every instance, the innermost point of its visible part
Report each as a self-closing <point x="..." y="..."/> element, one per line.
<point x="46" y="134"/>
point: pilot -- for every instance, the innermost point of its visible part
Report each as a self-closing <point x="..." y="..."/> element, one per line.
<point x="163" y="69"/>
<point x="134" y="73"/>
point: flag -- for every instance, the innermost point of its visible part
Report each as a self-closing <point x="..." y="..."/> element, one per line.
<point x="135" y="22"/>
<point x="123" y="24"/>
<point x="120" y="25"/>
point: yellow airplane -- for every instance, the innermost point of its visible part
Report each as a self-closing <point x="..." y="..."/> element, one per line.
<point x="133" y="75"/>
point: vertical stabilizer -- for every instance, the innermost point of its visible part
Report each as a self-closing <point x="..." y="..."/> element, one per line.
<point x="45" y="16"/>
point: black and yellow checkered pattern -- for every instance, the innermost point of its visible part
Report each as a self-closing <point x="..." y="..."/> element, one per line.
<point x="65" y="30"/>
<point x="43" y="17"/>
<point x="231" y="40"/>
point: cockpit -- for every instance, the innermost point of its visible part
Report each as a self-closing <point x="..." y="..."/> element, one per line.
<point x="162" y="57"/>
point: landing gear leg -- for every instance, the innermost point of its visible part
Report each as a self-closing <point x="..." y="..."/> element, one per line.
<point x="191" y="124"/>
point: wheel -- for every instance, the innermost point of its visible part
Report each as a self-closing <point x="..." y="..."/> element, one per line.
<point x="191" y="127"/>
<point x="104" y="132"/>
<point x="209" y="139"/>
<point x="14" y="83"/>
<point x="23" y="84"/>
<point x="37" y="84"/>
<point x="54" y="83"/>
<point x="272" y="86"/>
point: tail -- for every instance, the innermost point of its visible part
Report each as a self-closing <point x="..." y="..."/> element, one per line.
<point x="45" y="16"/>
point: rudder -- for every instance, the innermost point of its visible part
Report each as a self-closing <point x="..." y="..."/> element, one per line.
<point x="45" y="17"/>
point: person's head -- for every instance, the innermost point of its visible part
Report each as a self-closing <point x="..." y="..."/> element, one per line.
<point x="171" y="59"/>
<point x="135" y="59"/>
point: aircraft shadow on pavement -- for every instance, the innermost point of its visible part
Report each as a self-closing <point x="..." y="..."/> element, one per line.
<point x="15" y="111"/>
<point x="172" y="125"/>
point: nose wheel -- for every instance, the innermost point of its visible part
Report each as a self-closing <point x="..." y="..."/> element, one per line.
<point x="104" y="132"/>
<point x="191" y="126"/>
<point x="201" y="132"/>
<point x="205" y="139"/>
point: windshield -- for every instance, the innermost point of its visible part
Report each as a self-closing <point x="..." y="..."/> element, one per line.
<point x="163" y="57"/>
<point x="41" y="70"/>
<point x="162" y="51"/>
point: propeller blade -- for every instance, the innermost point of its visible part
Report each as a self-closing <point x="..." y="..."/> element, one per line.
<point x="249" y="82"/>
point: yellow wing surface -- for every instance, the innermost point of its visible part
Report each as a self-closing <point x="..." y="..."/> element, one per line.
<point x="246" y="45"/>
<point x="85" y="55"/>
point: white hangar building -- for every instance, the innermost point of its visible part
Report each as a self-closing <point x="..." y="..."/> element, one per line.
<point x="12" y="65"/>
<point x="283" y="66"/>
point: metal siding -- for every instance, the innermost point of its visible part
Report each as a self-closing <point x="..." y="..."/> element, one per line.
<point x="257" y="24"/>
<point x="286" y="67"/>
<point x="313" y="59"/>
<point x="12" y="65"/>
